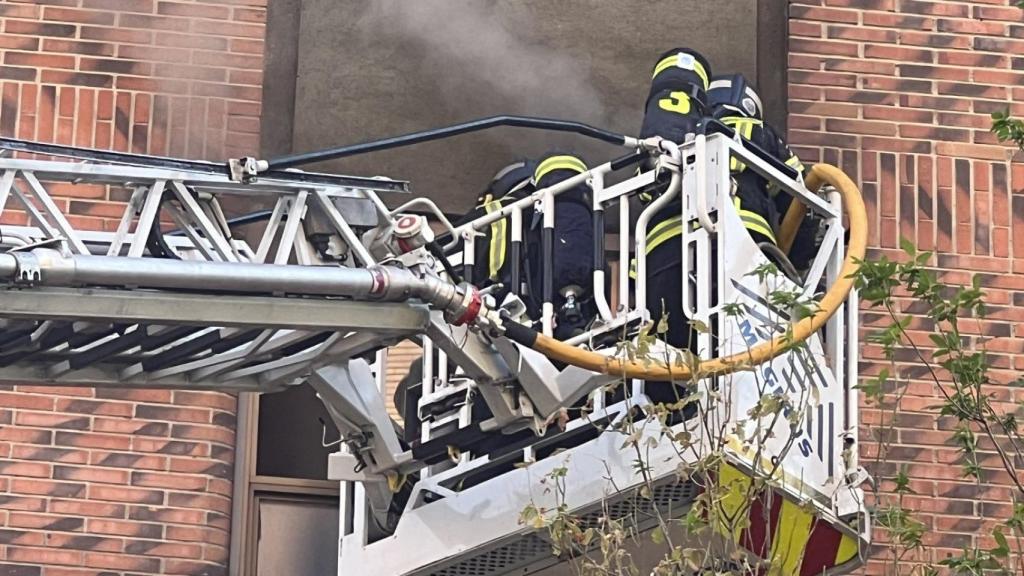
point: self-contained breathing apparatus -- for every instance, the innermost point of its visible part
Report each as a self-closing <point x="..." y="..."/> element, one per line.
<point x="566" y="283"/>
<point x="505" y="266"/>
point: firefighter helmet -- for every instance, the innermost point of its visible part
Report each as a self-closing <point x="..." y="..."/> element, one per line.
<point x="732" y="94"/>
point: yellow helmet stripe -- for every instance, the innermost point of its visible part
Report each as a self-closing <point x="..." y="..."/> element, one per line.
<point x="673" y="60"/>
<point x="559" y="163"/>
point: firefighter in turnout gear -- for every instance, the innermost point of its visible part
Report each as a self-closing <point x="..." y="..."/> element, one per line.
<point x="737" y="105"/>
<point x="676" y="105"/>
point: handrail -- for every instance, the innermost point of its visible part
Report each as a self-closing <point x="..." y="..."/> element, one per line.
<point x="829" y="304"/>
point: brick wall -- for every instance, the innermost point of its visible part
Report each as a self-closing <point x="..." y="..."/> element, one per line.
<point x="898" y="93"/>
<point x="109" y="481"/>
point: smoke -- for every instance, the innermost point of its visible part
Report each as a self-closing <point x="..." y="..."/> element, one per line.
<point x="482" y="53"/>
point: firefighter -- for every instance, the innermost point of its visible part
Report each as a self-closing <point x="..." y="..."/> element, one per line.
<point x="570" y="266"/>
<point x="736" y="104"/>
<point x="676" y="105"/>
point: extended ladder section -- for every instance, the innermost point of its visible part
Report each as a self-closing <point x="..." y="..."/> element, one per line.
<point x="323" y="277"/>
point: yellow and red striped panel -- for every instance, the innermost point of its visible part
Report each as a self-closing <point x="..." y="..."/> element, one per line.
<point x="789" y="535"/>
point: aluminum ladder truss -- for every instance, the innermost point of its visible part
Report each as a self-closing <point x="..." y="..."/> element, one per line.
<point x="315" y="287"/>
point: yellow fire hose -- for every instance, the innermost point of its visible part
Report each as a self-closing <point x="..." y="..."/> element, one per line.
<point x="818" y="176"/>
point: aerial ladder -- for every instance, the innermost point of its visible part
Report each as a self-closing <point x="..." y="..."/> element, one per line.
<point x="327" y="277"/>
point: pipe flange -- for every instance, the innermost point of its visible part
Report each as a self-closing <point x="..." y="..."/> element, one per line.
<point x="29" y="272"/>
<point x="465" y="307"/>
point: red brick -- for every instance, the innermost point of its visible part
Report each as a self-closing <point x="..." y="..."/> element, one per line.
<point x="899" y="20"/>
<point x="123" y="494"/>
<point x="50" y="420"/>
<point x="246" y="46"/>
<point x="91" y="474"/>
<point x="258" y="15"/>
<point x="200" y="501"/>
<point x="164" y="549"/>
<point x="39" y="28"/>
<point x="135" y="395"/>
<point x="117" y="35"/>
<point x="50" y="522"/>
<point x="131" y="426"/>
<point x="23" y="435"/>
<point x="823" y="14"/>
<point x="233" y="30"/>
<point x="176" y="481"/>
<point x="186" y="567"/>
<point x="52" y="13"/>
<point x="167" y="515"/>
<point x="48" y="488"/>
<point x="44" y="556"/>
<point x="85" y="542"/>
<point x="77" y="79"/>
<point x="145" y="6"/>
<point x="127" y="460"/>
<point x="32" y="469"/>
<point x="81" y="507"/>
<point x="193" y="10"/>
<point x="31" y="402"/>
<point x="25" y="11"/>
<point x="121" y="562"/>
<point x="206" y="399"/>
<point x="861" y="127"/>
<point x="192" y="41"/>
<point x="998" y="13"/>
<point x="147" y="22"/>
<point x="802" y="45"/>
<point x="125" y="528"/>
<point x="37" y="60"/>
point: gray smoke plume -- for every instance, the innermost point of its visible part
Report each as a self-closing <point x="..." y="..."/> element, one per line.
<point x="483" y="53"/>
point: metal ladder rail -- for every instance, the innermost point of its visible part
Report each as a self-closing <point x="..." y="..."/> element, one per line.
<point x="109" y="349"/>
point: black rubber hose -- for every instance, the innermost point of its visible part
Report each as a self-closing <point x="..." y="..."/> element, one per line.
<point x="437" y="252"/>
<point x="446" y="132"/>
<point x="783" y="261"/>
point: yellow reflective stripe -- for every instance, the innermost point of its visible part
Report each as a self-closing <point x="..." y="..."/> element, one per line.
<point x="745" y="128"/>
<point x="559" y="163"/>
<point x="848" y="550"/>
<point x="632" y="268"/>
<point x="731" y="518"/>
<point x="664" y="225"/>
<point x="791" y="536"/>
<point x="664" y="232"/>
<point x="673" y="60"/>
<point x="755" y="223"/>
<point x="497" y="250"/>
<point x="795" y="162"/>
